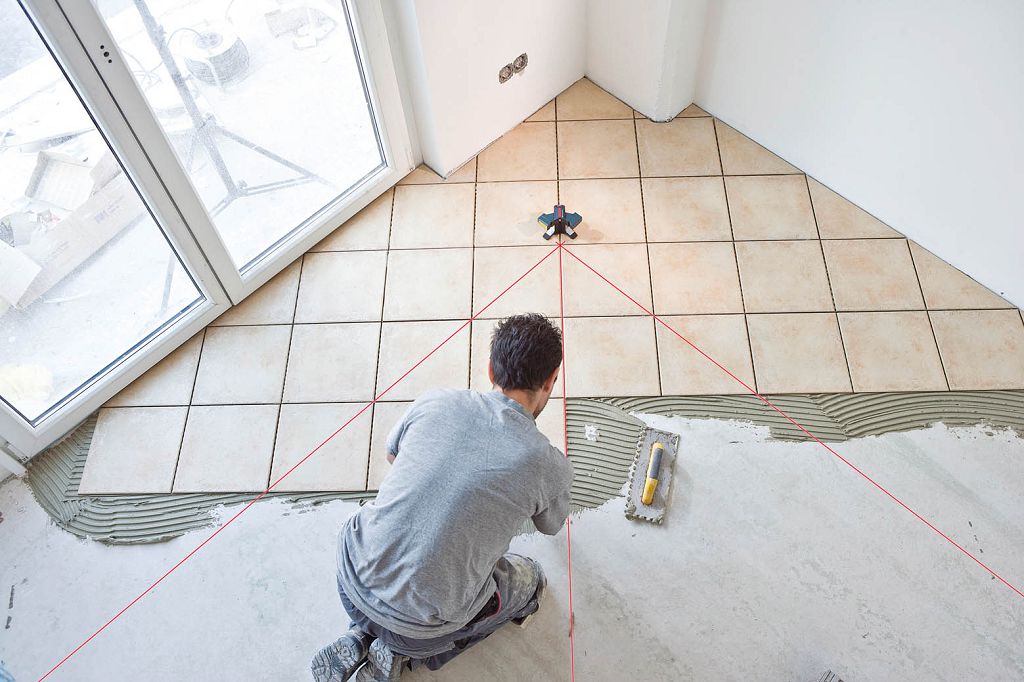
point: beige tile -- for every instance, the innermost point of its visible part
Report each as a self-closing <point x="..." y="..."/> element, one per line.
<point x="946" y="287"/>
<point x="981" y="349"/>
<point x="597" y="149"/>
<point x="429" y="284"/>
<point x="616" y="356"/>
<point x="770" y="207"/>
<point x="480" y="355"/>
<point x="385" y="417"/>
<point x="683" y="146"/>
<point x="404" y="344"/>
<point x="841" y="219"/>
<point x="432" y="216"/>
<point x="342" y="287"/>
<point x="892" y="352"/>
<point x="366" y="230"/>
<point x="612" y="210"/>
<point x="545" y="113"/>
<point x="169" y="382"/>
<point x="692" y="111"/>
<point x="507" y="212"/>
<point x="743" y="156"/>
<point x="625" y="265"/>
<point x="339" y="465"/>
<point x="226" y="448"/>
<point x="684" y="371"/>
<point x="551" y="421"/>
<point x="872" y="274"/>
<point x="497" y="268"/>
<point x="272" y="303"/>
<point x="686" y="209"/>
<point x="583" y="100"/>
<point x="332" y="362"/>
<point x="798" y="353"/>
<point x="424" y="175"/>
<point x="695" y="278"/>
<point x="133" y="450"/>
<point x="242" y="365"/>
<point x="783" y="277"/>
<point x="527" y="152"/>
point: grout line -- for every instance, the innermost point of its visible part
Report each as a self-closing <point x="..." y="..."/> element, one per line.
<point x="736" y="260"/>
<point x="650" y="269"/>
<point x="188" y="408"/>
<point x="924" y="302"/>
<point x="828" y="279"/>
<point x="472" y="289"/>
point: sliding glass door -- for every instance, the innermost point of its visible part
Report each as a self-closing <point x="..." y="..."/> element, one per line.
<point x="159" y="160"/>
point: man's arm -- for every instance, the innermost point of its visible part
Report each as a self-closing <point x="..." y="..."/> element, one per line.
<point x="550" y="519"/>
<point x="391" y="446"/>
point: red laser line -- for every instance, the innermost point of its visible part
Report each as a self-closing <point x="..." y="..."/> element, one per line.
<point x="296" y="466"/>
<point x="793" y="421"/>
<point x="565" y="434"/>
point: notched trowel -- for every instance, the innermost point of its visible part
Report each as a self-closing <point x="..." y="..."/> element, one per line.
<point x="650" y="477"/>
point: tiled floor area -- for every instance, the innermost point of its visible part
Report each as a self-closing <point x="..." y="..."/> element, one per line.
<point x="781" y="280"/>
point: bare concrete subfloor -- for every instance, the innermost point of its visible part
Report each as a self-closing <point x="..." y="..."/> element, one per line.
<point x="777" y="562"/>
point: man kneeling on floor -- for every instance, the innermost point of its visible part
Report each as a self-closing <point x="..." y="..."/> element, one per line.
<point x="423" y="571"/>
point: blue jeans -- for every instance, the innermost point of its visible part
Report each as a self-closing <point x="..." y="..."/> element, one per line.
<point x="517" y="578"/>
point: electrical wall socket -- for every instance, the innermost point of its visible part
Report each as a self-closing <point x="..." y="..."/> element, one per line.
<point x="516" y="66"/>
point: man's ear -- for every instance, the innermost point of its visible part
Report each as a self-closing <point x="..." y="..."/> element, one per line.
<point x="549" y="385"/>
<point x="490" y="372"/>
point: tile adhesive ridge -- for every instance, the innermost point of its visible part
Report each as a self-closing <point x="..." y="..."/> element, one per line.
<point x="602" y="442"/>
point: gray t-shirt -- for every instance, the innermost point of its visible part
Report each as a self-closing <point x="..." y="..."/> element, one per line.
<point x="470" y="469"/>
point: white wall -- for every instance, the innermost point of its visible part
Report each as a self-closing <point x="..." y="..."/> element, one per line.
<point x="646" y="53"/>
<point x="453" y="50"/>
<point x="912" y="110"/>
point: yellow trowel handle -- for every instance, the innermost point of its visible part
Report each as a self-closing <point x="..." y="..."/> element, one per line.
<point x="653" y="472"/>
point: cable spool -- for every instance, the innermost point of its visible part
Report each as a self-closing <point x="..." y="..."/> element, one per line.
<point x="215" y="57"/>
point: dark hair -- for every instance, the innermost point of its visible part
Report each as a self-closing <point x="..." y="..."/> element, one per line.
<point x="525" y="351"/>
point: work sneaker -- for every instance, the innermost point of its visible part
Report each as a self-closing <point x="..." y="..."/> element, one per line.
<point x="338" y="661"/>
<point x="382" y="665"/>
<point x="539" y="596"/>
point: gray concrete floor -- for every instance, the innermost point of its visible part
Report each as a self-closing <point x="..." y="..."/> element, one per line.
<point x="777" y="562"/>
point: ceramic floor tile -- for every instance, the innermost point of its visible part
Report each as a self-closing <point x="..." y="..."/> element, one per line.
<point x="583" y="100"/>
<point x="480" y="353"/>
<point x="614" y="356"/>
<point x="551" y="421"/>
<point x="684" y="371"/>
<point x="133" y="450"/>
<point x="403" y="344"/>
<point x="332" y="363"/>
<point x="625" y="265"/>
<point x="385" y="417"/>
<point x="683" y="146"/>
<point x="743" y="156"/>
<point x="527" y="152"/>
<point x="798" y="353"/>
<point x="423" y="175"/>
<point x="946" y="287"/>
<point x="612" y="210"/>
<point x="342" y="287"/>
<point x="226" y="448"/>
<point x="169" y="382"/>
<point x="339" y="465"/>
<point x="497" y="268"/>
<point x="981" y="349"/>
<point x="506" y="212"/>
<point x="892" y="351"/>
<point x="770" y="207"/>
<point x="695" y="278"/>
<point x="242" y="365"/>
<point x="783" y="277"/>
<point x="367" y="230"/>
<point x="692" y="111"/>
<point x="597" y="149"/>
<point x="872" y="274"/>
<point x="429" y="284"/>
<point x="432" y="216"/>
<point x="686" y="209"/>
<point x="545" y="113"/>
<point x="841" y="219"/>
<point x="272" y="303"/>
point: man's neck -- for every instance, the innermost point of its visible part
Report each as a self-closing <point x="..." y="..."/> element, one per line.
<point x="528" y="399"/>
